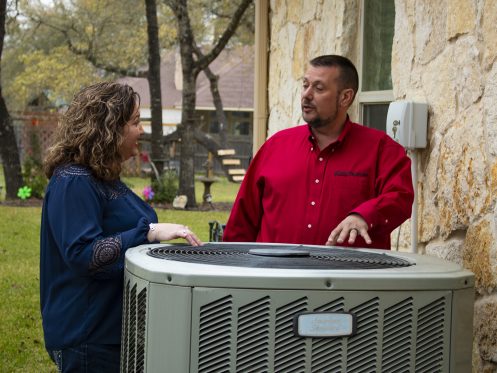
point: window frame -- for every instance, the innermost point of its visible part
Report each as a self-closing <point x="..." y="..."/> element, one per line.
<point x="368" y="97"/>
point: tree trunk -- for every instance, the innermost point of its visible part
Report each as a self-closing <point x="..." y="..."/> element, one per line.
<point x="8" y="144"/>
<point x="218" y="103"/>
<point x="187" y="147"/>
<point x="191" y="69"/>
<point x="153" y="76"/>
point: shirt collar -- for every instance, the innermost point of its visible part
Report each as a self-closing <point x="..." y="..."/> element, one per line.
<point x="345" y="131"/>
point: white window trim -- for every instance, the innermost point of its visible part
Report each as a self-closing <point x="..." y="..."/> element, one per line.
<point x="369" y="97"/>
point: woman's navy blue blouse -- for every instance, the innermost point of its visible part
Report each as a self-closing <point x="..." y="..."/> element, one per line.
<point x="86" y="227"/>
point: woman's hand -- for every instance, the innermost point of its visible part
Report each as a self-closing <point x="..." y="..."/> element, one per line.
<point x="169" y="231"/>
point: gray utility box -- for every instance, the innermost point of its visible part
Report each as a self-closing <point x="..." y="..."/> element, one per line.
<point x="229" y="307"/>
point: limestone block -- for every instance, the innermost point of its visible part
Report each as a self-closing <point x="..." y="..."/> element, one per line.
<point x="429" y="172"/>
<point x="278" y="13"/>
<point x="428" y="220"/>
<point x="294" y="10"/>
<point x="479" y="256"/>
<point x="490" y="110"/>
<point x="485" y="331"/>
<point x="461" y="17"/>
<point x="468" y="80"/>
<point x="430" y="38"/>
<point x="284" y="41"/>
<point x="463" y="193"/>
<point x="308" y="11"/>
<point x="489" y="32"/>
<point x="451" y="250"/>
<point x="493" y="178"/>
<point x="402" y="47"/>
<point x="438" y="85"/>
<point x="298" y="62"/>
<point x="347" y="28"/>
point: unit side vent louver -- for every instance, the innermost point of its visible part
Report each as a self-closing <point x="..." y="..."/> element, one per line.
<point x="327" y="353"/>
<point x="214" y="336"/>
<point x="289" y="351"/>
<point x="253" y="337"/>
<point x="397" y="337"/>
<point x="362" y="347"/>
<point x="429" y="341"/>
<point x="134" y="329"/>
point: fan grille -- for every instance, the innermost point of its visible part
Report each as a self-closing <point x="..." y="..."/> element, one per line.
<point x="278" y="256"/>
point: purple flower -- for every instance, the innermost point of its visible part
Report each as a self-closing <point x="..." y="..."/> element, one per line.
<point x="148" y="193"/>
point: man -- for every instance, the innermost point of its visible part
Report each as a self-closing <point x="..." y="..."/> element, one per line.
<point x="330" y="181"/>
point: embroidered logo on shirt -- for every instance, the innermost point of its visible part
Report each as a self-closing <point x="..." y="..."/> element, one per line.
<point x="351" y="173"/>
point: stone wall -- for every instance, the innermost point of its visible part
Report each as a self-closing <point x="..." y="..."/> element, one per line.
<point x="444" y="53"/>
<point x="299" y="31"/>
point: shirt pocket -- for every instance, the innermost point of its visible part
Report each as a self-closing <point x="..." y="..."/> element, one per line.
<point x="351" y="191"/>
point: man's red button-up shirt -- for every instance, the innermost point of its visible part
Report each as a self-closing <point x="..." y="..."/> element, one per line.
<point x="294" y="192"/>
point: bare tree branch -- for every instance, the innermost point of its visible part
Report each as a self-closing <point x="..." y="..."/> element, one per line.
<point x="89" y="53"/>
<point x="225" y="37"/>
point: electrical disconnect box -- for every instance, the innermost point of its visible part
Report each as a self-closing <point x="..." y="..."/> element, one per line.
<point x="407" y="123"/>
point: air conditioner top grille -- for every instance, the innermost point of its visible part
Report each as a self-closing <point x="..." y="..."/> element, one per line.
<point x="278" y="256"/>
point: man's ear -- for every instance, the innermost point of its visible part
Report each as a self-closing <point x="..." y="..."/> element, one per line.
<point x="346" y="97"/>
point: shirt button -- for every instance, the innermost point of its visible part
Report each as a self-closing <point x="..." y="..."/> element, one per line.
<point x="313" y="203"/>
<point x="386" y="221"/>
<point x="312" y="149"/>
<point x="309" y="225"/>
<point x="332" y="150"/>
<point x="316" y="181"/>
<point x="320" y="159"/>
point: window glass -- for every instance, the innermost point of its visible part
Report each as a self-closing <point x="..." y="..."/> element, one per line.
<point x="375" y="115"/>
<point x="379" y="18"/>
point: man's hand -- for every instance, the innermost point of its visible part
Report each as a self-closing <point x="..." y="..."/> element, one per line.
<point x="350" y="227"/>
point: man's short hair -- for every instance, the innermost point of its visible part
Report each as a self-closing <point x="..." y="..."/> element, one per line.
<point x="348" y="73"/>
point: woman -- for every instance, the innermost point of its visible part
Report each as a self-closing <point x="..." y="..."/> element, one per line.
<point x="89" y="220"/>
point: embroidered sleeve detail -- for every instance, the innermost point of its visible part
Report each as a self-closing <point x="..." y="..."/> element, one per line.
<point x="105" y="253"/>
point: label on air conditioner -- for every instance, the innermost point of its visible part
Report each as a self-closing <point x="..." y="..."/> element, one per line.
<point x="324" y="324"/>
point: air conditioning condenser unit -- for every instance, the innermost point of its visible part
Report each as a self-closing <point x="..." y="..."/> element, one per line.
<point x="227" y="307"/>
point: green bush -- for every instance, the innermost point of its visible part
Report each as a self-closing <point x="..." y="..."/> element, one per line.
<point x="34" y="177"/>
<point x="166" y="189"/>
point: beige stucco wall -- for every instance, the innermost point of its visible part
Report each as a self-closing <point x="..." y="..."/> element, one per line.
<point x="444" y="53"/>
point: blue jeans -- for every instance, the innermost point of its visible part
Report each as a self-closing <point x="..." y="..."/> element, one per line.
<point x="87" y="358"/>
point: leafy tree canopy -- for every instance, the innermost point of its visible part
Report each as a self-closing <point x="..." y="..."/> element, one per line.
<point x="61" y="47"/>
<point x="55" y="48"/>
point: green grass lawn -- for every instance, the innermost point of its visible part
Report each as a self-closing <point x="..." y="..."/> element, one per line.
<point x="21" y="337"/>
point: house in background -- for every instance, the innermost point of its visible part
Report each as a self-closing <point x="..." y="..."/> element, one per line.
<point x="235" y="68"/>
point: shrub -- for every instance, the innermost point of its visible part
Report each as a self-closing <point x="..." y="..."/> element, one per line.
<point x="34" y="177"/>
<point x="166" y="189"/>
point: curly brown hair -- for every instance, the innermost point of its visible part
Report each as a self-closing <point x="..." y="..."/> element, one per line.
<point x="91" y="131"/>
